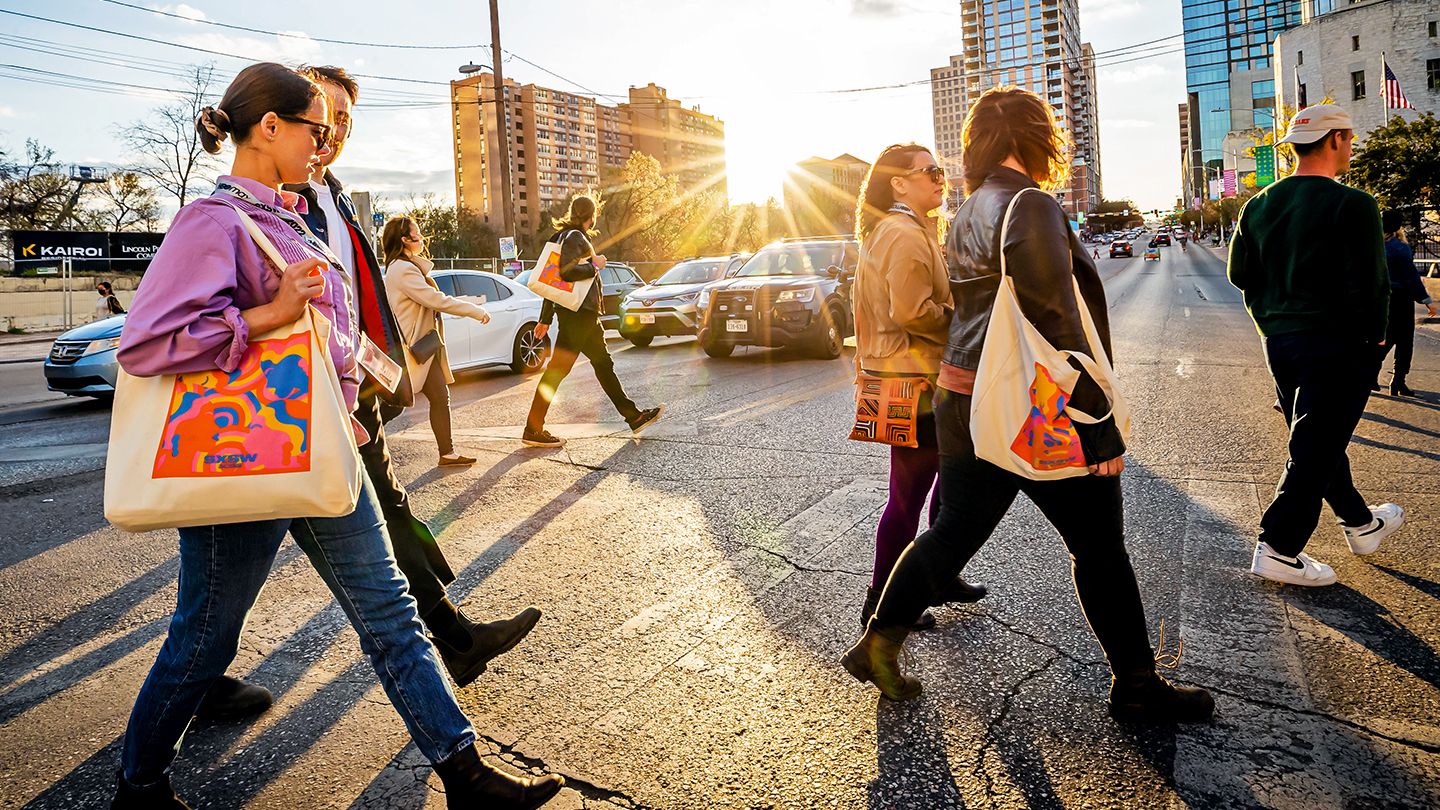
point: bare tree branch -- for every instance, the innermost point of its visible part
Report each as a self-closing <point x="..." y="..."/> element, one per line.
<point x="167" y="147"/>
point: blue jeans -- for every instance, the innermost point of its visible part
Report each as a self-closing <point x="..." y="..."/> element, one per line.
<point x="223" y="568"/>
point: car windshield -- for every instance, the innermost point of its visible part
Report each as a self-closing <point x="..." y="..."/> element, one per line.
<point x="691" y="273"/>
<point x="793" y="260"/>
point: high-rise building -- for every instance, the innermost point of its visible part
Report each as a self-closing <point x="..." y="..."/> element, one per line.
<point x="1229" y="75"/>
<point x="688" y="143"/>
<point x="1033" y="44"/>
<point x="560" y="143"/>
<point x="1187" y="192"/>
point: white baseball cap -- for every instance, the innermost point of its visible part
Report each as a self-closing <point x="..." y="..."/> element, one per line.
<point x="1313" y="123"/>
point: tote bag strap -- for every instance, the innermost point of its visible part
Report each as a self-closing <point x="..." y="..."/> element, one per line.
<point x="322" y="324"/>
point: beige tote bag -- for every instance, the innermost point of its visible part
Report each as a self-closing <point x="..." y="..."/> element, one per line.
<point x="1020" y="417"/>
<point x="270" y="440"/>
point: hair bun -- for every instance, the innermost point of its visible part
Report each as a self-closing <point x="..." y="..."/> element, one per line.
<point x="213" y="126"/>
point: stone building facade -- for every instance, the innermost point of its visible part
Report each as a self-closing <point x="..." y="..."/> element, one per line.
<point x="1336" y="53"/>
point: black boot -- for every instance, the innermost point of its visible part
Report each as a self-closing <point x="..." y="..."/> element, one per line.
<point x="962" y="592"/>
<point x="233" y="699"/>
<point x="467" y="647"/>
<point x="470" y="784"/>
<point x="1399" y="389"/>
<point x="872" y="601"/>
<point x="159" y="796"/>
<point x="1145" y="697"/>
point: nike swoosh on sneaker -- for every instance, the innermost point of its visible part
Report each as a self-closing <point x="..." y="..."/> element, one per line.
<point x="1379" y="524"/>
<point x="1297" y="565"/>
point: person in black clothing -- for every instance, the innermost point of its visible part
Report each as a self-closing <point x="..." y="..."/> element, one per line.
<point x="1011" y="145"/>
<point x="580" y="331"/>
<point x="466" y="646"/>
<point x="1406" y="290"/>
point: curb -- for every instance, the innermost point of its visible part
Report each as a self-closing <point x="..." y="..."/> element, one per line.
<point x="23" y="360"/>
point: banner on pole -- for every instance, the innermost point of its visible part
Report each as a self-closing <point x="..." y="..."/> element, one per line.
<point x="1264" y="165"/>
<point x="1229" y="182"/>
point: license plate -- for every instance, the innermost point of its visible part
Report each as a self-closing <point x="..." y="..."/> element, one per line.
<point x="647" y="317"/>
<point x="737" y="326"/>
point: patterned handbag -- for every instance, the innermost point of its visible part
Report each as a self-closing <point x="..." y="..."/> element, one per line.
<point x="886" y="409"/>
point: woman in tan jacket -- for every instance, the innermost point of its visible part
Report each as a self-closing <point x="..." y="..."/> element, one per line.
<point x="902" y="322"/>
<point x="417" y="303"/>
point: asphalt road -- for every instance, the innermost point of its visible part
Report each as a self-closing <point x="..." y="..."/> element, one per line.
<point x="700" y="584"/>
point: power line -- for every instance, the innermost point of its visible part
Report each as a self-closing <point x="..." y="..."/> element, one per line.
<point x="297" y="36"/>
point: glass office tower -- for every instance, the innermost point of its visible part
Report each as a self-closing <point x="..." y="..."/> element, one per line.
<point x="1228" y="74"/>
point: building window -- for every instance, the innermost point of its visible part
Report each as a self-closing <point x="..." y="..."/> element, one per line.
<point x="1355" y="43"/>
<point x="1299" y="57"/>
<point x="1304" y="98"/>
<point x="1432" y="73"/>
<point x="1357" y="85"/>
<point x="1432" y="29"/>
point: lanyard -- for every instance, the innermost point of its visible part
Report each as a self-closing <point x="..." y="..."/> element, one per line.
<point x="296" y="224"/>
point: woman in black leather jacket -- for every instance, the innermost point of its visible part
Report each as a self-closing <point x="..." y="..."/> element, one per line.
<point x="1011" y="144"/>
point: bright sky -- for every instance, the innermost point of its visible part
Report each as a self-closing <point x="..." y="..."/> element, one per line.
<point x="765" y="68"/>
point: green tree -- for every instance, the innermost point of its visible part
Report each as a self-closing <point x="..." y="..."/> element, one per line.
<point x="33" y="189"/>
<point x="1399" y="163"/>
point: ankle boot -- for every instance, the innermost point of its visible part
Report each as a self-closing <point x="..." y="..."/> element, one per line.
<point x="233" y="699"/>
<point x="159" y="796"/>
<point x="872" y="601"/>
<point x="1145" y="697"/>
<point x="1398" y="388"/>
<point x="876" y="658"/>
<point x="962" y="592"/>
<point x="471" y="784"/>
<point x="449" y="628"/>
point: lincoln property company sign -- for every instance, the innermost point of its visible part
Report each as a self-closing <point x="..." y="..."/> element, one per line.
<point x="89" y="251"/>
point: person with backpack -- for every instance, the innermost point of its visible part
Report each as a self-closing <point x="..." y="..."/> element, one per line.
<point x="580" y="331"/>
<point x="208" y="291"/>
<point x="902" y="319"/>
<point x="107" y="304"/>
<point x="1011" y="145"/>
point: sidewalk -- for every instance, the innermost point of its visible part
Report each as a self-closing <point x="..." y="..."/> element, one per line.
<point x="30" y="347"/>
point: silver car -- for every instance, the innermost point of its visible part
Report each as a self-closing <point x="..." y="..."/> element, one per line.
<point x="82" y="362"/>
<point x="667" y="305"/>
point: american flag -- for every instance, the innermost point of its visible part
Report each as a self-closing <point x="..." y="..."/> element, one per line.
<point x="1391" y="92"/>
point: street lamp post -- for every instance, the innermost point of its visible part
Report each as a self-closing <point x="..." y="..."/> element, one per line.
<point x="1274" y="124"/>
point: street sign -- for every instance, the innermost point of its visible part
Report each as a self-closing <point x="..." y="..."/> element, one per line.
<point x="1264" y="165"/>
<point x="507" y="247"/>
<point x="378" y="219"/>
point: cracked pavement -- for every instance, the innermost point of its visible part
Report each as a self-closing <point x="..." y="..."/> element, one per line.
<point x="699" y="585"/>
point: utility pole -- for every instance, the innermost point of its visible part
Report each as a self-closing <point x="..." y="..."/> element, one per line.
<point x="502" y="114"/>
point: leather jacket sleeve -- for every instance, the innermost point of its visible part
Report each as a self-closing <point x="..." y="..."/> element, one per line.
<point x="575" y="254"/>
<point x="1038" y="256"/>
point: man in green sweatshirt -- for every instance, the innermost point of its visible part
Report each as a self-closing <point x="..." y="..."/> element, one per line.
<point x="1309" y="255"/>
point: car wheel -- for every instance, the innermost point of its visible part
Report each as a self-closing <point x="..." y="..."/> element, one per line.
<point x="641" y="340"/>
<point x="530" y="352"/>
<point x="715" y="348"/>
<point x="829" y="342"/>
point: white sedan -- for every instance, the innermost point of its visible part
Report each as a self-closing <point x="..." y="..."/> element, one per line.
<point x="508" y="339"/>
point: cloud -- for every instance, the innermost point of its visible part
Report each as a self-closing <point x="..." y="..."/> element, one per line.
<point x="1126" y="123"/>
<point x="885" y="9"/>
<point x="289" y="49"/>
<point x="182" y="10"/>
<point x="397" y="183"/>
<point x="1099" y="11"/>
<point x="6" y="112"/>
<point x="1138" y="73"/>
<point x="361" y="63"/>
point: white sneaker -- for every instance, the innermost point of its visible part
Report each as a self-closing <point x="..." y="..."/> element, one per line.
<point x="1297" y="570"/>
<point x="1365" y="539"/>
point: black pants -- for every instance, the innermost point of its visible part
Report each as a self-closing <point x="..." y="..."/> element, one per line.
<point x="1400" y="333"/>
<point x="416" y="551"/>
<point x="580" y="333"/>
<point x="1087" y="511"/>
<point x="437" y="393"/>
<point x="1323" y="383"/>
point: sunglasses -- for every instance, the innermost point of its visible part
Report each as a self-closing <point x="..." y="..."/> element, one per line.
<point x="935" y="173"/>
<point x="322" y="135"/>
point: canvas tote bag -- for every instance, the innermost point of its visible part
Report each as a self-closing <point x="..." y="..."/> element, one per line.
<point x="270" y="440"/>
<point x="546" y="282"/>
<point x="1020" y="417"/>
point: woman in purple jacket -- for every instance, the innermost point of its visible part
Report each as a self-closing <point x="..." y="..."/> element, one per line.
<point x="207" y="290"/>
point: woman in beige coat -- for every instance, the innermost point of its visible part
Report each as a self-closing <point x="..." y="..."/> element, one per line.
<point x="902" y="322"/>
<point x="418" y="303"/>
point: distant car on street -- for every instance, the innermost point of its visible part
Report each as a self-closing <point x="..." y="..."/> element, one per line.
<point x="795" y="292"/>
<point x="1163" y="238"/>
<point x="1121" y="247"/>
<point x="667" y="305"/>
<point x="82" y="362"/>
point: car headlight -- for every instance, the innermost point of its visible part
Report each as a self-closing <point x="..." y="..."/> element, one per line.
<point x="796" y="295"/>
<point x="704" y="300"/>
<point x="103" y="345"/>
<point x="689" y="296"/>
